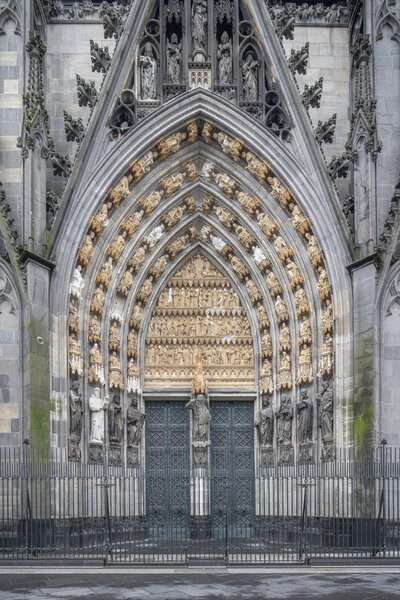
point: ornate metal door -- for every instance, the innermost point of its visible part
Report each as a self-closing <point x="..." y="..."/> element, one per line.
<point x="167" y="468"/>
<point x="232" y="468"/>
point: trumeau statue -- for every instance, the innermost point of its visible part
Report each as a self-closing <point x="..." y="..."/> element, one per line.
<point x="199" y="24"/>
<point x="265" y="423"/>
<point x="224" y="56"/>
<point x="148" y="73"/>
<point x="174" y="58"/>
<point x="201" y="418"/>
<point x="250" y="78"/>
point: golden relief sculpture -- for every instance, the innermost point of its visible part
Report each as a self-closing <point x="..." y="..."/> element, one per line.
<point x="274" y="287"/>
<point x="105" y="273"/>
<point x="208" y="203"/>
<point x="327" y="320"/>
<point x="208" y="131"/>
<point x="304" y="369"/>
<point x="113" y="337"/>
<point x="262" y="318"/>
<point x="226" y="184"/>
<point x="231" y="146"/>
<point x="313" y="251"/>
<point x="266" y="346"/>
<point x="249" y="203"/>
<point x="172" y="218"/>
<point x="73" y="319"/>
<point x="136" y="260"/>
<point x="191" y="171"/>
<point x="259" y="168"/>
<point x="173" y="183"/>
<point x="96" y="306"/>
<point x="323" y="286"/>
<point x="199" y="384"/>
<point x="282" y="249"/>
<point x="99" y="221"/>
<point x="119" y="192"/>
<point x="227" y="219"/>
<point x="136" y="318"/>
<point x="268" y="225"/>
<point x="130" y="224"/>
<point x="245" y="238"/>
<point x="94" y="331"/>
<point x="301" y="223"/>
<point x="85" y="252"/>
<point x="141" y="166"/>
<point x="284" y="373"/>
<point x="305" y="338"/>
<point x="253" y="291"/>
<point x="150" y="202"/>
<point x="302" y="303"/>
<point x="143" y="294"/>
<point x="125" y="283"/>
<point x="325" y="369"/>
<point x="75" y="356"/>
<point x="131" y="350"/>
<point x="281" y="311"/>
<point x="266" y="379"/>
<point x="170" y="144"/>
<point x="190" y="204"/>
<point x="198" y="312"/>
<point x="96" y="370"/>
<point x="159" y="266"/>
<point x="115" y="381"/>
<point x="285" y="343"/>
<point x="191" y="130"/>
<point x="280" y="192"/>
<point x="116" y="248"/>
<point x="295" y="277"/>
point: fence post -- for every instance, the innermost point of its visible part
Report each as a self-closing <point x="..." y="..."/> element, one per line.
<point x="28" y="508"/>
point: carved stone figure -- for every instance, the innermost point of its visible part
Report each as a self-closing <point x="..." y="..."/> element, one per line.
<point x="304" y="410"/>
<point x="170" y="144"/>
<point x="259" y="168"/>
<point x="261" y="260"/>
<point x="231" y="146"/>
<point x="75" y="410"/>
<point x="226" y="218"/>
<point x="189" y="202"/>
<point x="199" y="25"/>
<point x="132" y="223"/>
<point x="73" y="319"/>
<point x="326" y="360"/>
<point x="96" y="370"/>
<point x="302" y="303"/>
<point x="155" y="234"/>
<point x="266" y="346"/>
<point x="141" y="166"/>
<point x="207" y="131"/>
<point x="105" y="274"/>
<point x="97" y="304"/>
<point x="266" y="380"/>
<point x="133" y="382"/>
<point x="115" y="381"/>
<point x="240" y="269"/>
<point x="126" y="283"/>
<point x="304" y="369"/>
<point x="192" y="130"/>
<point x="284" y="373"/>
<point x="116" y="248"/>
<point x="94" y="331"/>
<point x="136" y="317"/>
<point x="191" y="171"/>
<point x="145" y="291"/>
<point x="136" y="261"/>
<point x="131" y="350"/>
<point x="172" y="218"/>
<point x="176" y="246"/>
<point x="77" y="283"/>
<point x="85" y="252"/>
<point x="281" y="311"/>
<point x="134" y="423"/>
<point x="113" y="340"/>
<point x="173" y="183"/>
<point x="265" y="423"/>
<point x="148" y="73"/>
<point x="99" y="221"/>
<point x="299" y="221"/>
<point x="253" y="291"/>
<point x="174" y="58"/>
<point x="96" y="406"/>
<point x="283" y="250"/>
<point x="201" y="418"/>
<point x="262" y="318"/>
<point x="280" y="192"/>
<point x="314" y="252"/>
<point x="119" y="191"/>
<point x="250" y="78"/>
<point x="245" y="238"/>
<point x="284" y="420"/>
<point x="159" y="266"/>
<point x="249" y="204"/>
<point x="295" y="277"/>
<point x="150" y="202"/>
<point x="305" y="338"/>
<point x="268" y="225"/>
<point x="285" y="343"/>
<point x="325" y="412"/>
<point x="226" y="184"/>
<point x="323" y="286"/>
<point x="327" y="320"/>
<point x="115" y="420"/>
<point x="224" y="57"/>
<point x="274" y="287"/>
<point x="207" y="172"/>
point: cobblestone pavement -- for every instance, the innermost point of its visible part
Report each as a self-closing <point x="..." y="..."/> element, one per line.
<point x="73" y="583"/>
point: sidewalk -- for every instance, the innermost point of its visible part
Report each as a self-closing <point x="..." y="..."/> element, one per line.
<point x="208" y="583"/>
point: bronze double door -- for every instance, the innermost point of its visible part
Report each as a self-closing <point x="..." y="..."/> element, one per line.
<point x="229" y="482"/>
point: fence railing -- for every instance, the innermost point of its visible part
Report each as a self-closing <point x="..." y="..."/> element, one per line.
<point x="51" y="508"/>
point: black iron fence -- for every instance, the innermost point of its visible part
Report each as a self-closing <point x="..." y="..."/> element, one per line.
<point x="51" y="508"/>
